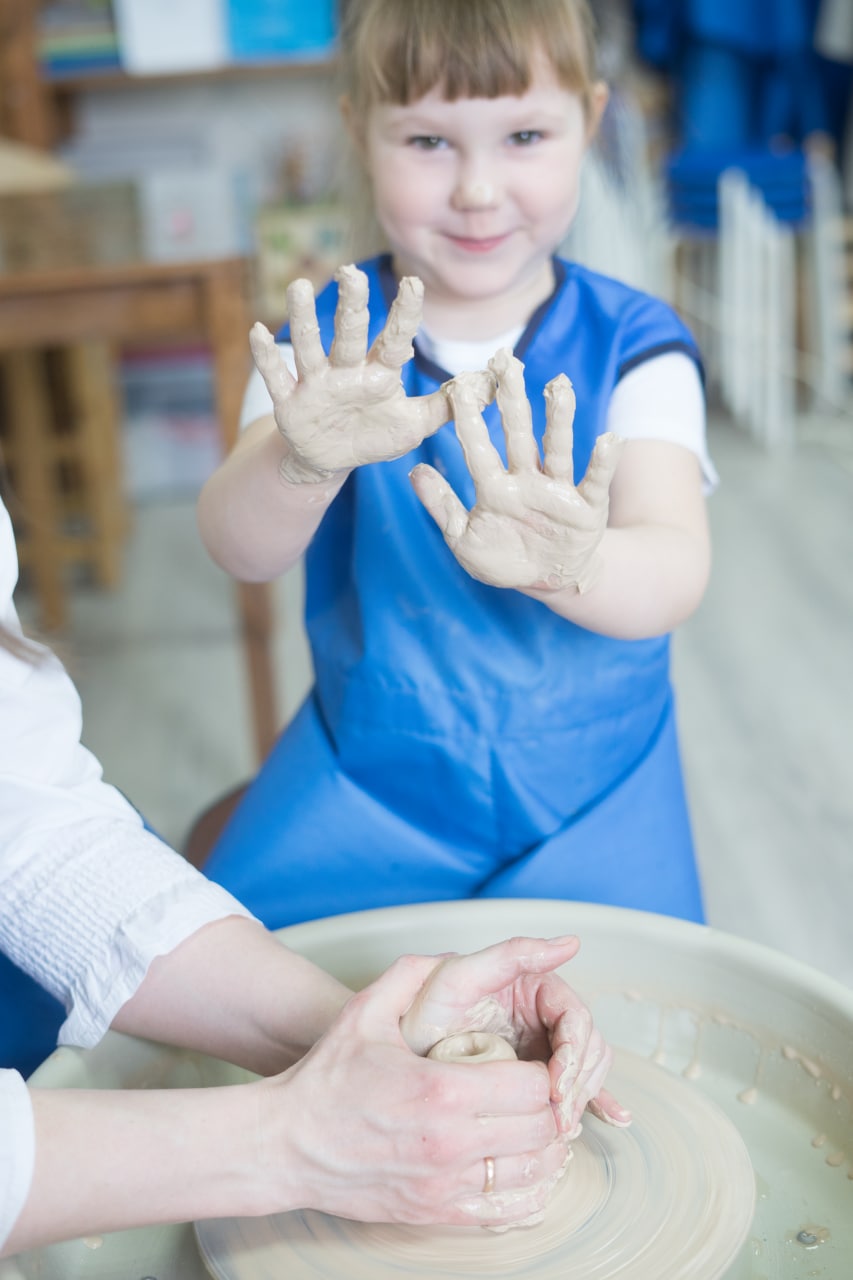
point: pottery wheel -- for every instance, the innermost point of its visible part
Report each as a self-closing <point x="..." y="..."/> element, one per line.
<point x="671" y="1196"/>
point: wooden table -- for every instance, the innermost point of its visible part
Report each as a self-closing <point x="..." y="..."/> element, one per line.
<point x="74" y="269"/>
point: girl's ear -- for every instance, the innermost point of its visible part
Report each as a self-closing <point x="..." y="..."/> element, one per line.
<point x="598" y="98"/>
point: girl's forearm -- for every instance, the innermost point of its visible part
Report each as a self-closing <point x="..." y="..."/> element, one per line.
<point x="107" y="1160"/>
<point x="254" y="523"/>
<point x="652" y="579"/>
<point x="233" y="991"/>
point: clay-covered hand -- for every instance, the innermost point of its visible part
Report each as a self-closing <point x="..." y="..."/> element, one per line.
<point x="511" y="990"/>
<point x="350" y="407"/>
<point x="365" y="1128"/>
<point x="531" y="527"/>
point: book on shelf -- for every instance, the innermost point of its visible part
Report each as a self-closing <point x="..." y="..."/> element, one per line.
<point x="150" y="37"/>
<point x="77" y="36"/>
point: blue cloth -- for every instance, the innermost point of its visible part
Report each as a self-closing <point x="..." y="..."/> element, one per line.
<point x="29" y="1019"/>
<point x="462" y="740"/>
<point x="745" y="70"/>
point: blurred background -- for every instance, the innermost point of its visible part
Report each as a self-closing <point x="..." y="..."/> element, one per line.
<point x="167" y="168"/>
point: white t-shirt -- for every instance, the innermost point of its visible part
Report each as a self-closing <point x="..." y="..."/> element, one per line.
<point x="88" y="897"/>
<point x="660" y="399"/>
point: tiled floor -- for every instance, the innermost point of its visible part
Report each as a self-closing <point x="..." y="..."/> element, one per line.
<point x="764" y="675"/>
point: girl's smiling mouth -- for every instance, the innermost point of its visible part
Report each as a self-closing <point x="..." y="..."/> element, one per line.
<point x="478" y="244"/>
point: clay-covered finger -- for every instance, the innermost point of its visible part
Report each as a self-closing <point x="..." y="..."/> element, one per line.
<point x="605" y="1107"/>
<point x="481" y="456"/>
<point x="522" y="452"/>
<point x="595" y="486"/>
<point x="305" y="338"/>
<point x="393" y="347"/>
<point x="352" y="318"/>
<point x="558" y="440"/>
<point x="270" y="363"/>
<point x="525" y="1170"/>
<point x="523" y="1187"/>
<point x="587" y="1083"/>
<point x="440" y="501"/>
<point x="429" y="414"/>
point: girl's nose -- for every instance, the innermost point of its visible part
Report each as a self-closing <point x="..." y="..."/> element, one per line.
<point x="474" y="191"/>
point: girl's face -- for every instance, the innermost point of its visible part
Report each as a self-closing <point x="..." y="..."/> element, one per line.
<point x="475" y="195"/>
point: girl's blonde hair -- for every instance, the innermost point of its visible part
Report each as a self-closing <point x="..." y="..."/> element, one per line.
<point x="396" y="51"/>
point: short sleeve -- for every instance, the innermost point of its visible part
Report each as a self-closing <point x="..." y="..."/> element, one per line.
<point x="662" y="399"/>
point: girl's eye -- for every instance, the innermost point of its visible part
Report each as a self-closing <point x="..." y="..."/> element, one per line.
<point x="427" y="142"/>
<point x="525" y="137"/>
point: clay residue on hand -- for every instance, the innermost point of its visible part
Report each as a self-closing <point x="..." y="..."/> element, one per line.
<point x="531" y="526"/>
<point x="346" y="408"/>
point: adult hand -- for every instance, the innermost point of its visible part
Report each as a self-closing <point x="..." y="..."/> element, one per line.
<point x="530" y="527"/>
<point x="365" y="1128"/>
<point x="511" y="990"/>
<point x="350" y="407"/>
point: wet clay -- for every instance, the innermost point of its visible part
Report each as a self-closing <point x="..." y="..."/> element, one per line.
<point x="473" y="1047"/>
<point x="349" y="407"/>
<point x="670" y="1197"/>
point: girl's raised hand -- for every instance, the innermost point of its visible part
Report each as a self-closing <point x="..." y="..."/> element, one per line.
<point x="350" y="407"/>
<point x="530" y="527"/>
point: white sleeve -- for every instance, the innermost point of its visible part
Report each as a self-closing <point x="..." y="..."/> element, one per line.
<point x="257" y="402"/>
<point x="663" y="399"/>
<point x="88" y="897"/>
<point x="17" y="1149"/>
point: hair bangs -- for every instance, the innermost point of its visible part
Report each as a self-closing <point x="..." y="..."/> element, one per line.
<point x="399" y="50"/>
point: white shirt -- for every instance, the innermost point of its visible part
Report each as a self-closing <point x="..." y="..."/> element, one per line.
<point x="660" y="399"/>
<point x="88" y="897"/>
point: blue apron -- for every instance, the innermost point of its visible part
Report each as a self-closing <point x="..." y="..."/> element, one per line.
<point x="462" y="740"/>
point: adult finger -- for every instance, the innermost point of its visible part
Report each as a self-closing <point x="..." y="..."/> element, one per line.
<point x="595" y="486"/>
<point x="580" y="1071"/>
<point x="270" y="363"/>
<point x="460" y="993"/>
<point x="520" y="1203"/>
<point x="493" y="968"/>
<point x="523" y="1171"/>
<point x="605" y="1107"/>
<point x="522" y="453"/>
<point x="304" y="330"/>
<point x="393" y="347"/>
<point x="352" y="318"/>
<point x="440" y="501"/>
<point x="377" y="1009"/>
<point x="597" y="1061"/>
<point x="558" y="440"/>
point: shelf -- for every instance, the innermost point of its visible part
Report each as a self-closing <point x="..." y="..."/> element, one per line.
<point x="114" y="78"/>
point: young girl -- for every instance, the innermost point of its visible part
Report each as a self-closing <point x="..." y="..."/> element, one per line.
<point x="492" y="713"/>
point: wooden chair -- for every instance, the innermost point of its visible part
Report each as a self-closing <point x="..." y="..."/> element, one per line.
<point x="209" y="825"/>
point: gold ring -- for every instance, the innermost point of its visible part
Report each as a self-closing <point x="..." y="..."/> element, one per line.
<point x="489" y="1184"/>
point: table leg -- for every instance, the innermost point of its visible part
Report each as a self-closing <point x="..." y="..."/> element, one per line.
<point x="90" y="372"/>
<point x="29" y="417"/>
<point x="228" y="333"/>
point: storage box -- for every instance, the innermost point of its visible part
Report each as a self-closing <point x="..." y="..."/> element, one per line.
<point x="262" y="29"/>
